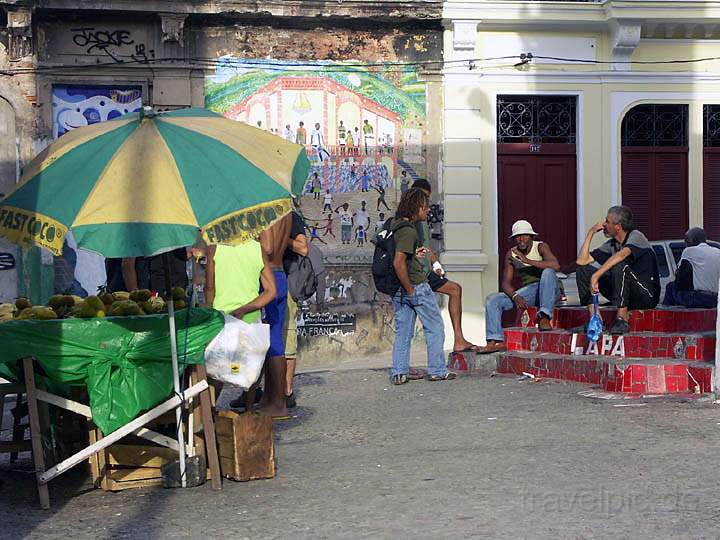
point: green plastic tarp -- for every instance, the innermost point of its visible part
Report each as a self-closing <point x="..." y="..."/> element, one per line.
<point x="124" y="362"/>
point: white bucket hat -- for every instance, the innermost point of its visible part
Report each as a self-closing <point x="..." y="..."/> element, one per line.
<point x="522" y="227"/>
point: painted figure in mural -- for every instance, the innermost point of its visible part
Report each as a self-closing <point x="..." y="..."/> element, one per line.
<point x="327" y="201"/>
<point x="439" y="283"/>
<point x="329" y="226"/>
<point x="361" y="236"/>
<point x="350" y="143"/>
<point x="535" y="265"/>
<point x="314" y="235"/>
<point x="301" y="134"/>
<point x="380" y="223"/>
<point x="316" y="187"/>
<point x="317" y="141"/>
<point x="414" y="297"/>
<point x="289" y="135"/>
<point x="369" y="135"/>
<point x="381" y="198"/>
<point x="363" y="216"/>
<point x="353" y="177"/>
<point x="404" y="182"/>
<point x="356" y="140"/>
<point x="346" y="223"/>
<point x="342" y="134"/>
<point x="365" y="181"/>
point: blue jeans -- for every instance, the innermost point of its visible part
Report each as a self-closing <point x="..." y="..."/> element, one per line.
<point x="689" y="299"/>
<point x="543" y="294"/>
<point x="424" y="305"/>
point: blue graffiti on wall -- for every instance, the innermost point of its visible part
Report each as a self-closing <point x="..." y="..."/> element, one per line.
<point x="77" y="106"/>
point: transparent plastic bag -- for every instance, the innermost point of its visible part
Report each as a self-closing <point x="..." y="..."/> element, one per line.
<point x="237" y="353"/>
<point x="595" y="326"/>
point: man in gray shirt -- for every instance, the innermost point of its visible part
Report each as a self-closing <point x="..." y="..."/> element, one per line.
<point x="697" y="277"/>
<point x="628" y="274"/>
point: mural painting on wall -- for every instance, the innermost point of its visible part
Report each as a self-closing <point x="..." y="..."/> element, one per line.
<point x="78" y="271"/>
<point x="76" y="106"/>
<point x="363" y="131"/>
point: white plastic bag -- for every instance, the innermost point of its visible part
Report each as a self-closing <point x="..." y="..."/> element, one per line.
<point x="237" y="353"/>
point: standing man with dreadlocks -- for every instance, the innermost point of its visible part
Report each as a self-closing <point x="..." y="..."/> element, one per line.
<point x="414" y="298"/>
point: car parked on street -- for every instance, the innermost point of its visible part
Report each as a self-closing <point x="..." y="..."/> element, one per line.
<point x="668" y="254"/>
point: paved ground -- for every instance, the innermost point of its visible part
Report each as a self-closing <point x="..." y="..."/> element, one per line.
<point x="475" y="457"/>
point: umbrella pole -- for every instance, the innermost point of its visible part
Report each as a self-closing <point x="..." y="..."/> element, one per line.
<point x="176" y="371"/>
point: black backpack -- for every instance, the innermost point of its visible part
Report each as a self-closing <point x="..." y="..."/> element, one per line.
<point x="303" y="273"/>
<point x="386" y="280"/>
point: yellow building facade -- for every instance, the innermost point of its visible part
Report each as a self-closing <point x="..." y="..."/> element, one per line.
<point x="618" y="102"/>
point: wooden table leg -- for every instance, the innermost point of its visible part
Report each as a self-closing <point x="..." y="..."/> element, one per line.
<point x="209" y="431"/>
<point x="36" y="435"/>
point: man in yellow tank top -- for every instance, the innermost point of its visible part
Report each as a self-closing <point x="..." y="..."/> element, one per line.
<point x="232" y="284"/>
<point x="536" y="266"/>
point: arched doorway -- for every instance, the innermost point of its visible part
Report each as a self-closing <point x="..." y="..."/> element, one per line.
<point x="655" y="168"/>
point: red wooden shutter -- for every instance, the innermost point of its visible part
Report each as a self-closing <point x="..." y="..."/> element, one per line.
<point x="670" y="192"/>
<point x="637" y="173"/>
<point x="711" y="193"/>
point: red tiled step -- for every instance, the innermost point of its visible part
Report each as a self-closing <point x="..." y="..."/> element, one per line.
<point x="647" y="320"/>
<point x="629" y="375"/>
<point x="699" y="346"/>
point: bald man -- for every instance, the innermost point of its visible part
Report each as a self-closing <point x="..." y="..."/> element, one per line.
<point x="697" y="276"/>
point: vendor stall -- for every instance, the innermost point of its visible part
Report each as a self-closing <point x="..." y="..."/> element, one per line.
<point x="139" y="186"/>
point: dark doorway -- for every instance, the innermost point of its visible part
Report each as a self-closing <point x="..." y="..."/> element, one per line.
<point x="537" y="170"/>
<point x="711" y="171"/>
<point x="655" y="169"/>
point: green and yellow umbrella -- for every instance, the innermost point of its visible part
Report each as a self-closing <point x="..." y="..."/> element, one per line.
<point x="146" y="183"/>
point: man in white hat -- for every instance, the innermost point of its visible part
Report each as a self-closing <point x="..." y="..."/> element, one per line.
<point x="536" y="266"/>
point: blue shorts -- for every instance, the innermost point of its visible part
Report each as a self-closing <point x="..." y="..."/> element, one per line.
<point x="275" y="314"/>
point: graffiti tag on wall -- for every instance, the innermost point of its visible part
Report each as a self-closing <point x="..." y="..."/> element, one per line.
<point x="326" y="324"/>
<point x="111" y="43"/>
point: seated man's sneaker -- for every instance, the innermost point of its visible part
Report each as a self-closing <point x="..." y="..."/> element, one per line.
<point x="543" y="322"/>
<point x="620" y="326"/>
<point x="492" y="347"/>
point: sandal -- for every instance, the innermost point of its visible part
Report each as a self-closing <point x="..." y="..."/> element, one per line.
<point x="447" y="377"/>
<point x="399" y="379"/>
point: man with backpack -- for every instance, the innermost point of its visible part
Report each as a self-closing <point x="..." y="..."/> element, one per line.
<point x="398" y="271"/>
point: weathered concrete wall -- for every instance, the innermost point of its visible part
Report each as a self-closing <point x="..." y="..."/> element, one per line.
<point x="268" y="76"/>
<point x="168" y="58"/>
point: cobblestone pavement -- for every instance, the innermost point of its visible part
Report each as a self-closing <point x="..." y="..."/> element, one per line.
<point x="474" y="457"/>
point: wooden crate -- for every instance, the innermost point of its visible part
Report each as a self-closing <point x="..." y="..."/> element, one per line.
<point x="124" y="466"/>
<point x="245" y="445"/>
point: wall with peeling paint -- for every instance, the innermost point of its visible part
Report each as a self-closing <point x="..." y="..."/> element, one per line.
<point x="169" y="52"/>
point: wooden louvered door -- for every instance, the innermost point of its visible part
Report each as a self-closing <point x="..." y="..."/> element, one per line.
<point x="655" y="187"/>
<point x="711" y="192"/>
<point x="541" y="188"/>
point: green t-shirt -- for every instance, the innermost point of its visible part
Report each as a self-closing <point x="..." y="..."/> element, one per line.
<point x="423" y="230"/>
<point x="406" y="240"/>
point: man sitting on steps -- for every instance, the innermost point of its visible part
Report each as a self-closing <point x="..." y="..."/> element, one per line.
<point x="629" y="272"/>
<point x="536" y="265"/>
<point x="697" y="277"/>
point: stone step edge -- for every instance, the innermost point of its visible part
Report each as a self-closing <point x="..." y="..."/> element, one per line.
<point x="644" y="375"/>
<point x="698" y="346"/>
